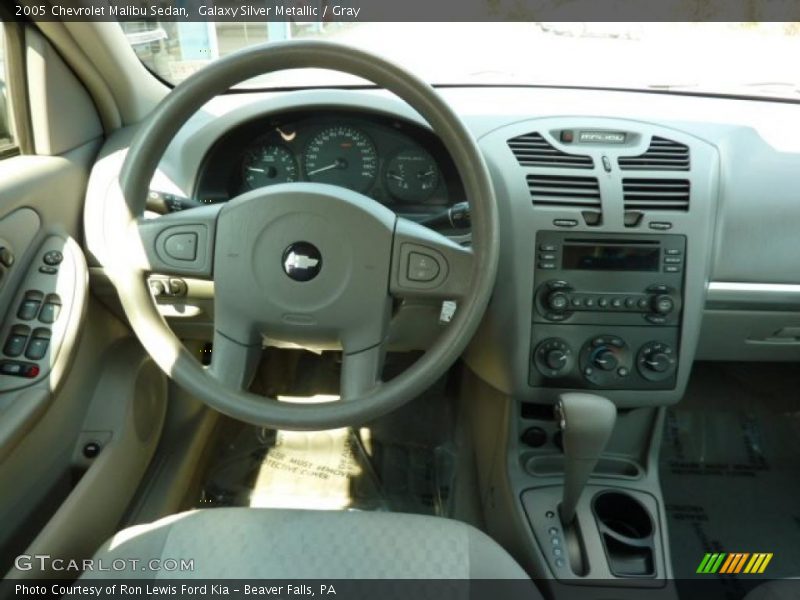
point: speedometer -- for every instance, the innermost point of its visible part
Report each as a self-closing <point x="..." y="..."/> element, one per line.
<point x="343" y="156"/>
<point x="268" y="165"/>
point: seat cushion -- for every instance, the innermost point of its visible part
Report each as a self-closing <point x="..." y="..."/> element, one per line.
<point x="241" y="543"/>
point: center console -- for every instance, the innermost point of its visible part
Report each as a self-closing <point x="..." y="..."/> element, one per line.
<point x="606" y="310"/>
<point x="607" y="230"/>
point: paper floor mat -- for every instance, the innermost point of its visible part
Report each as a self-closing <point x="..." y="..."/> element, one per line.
<point x="730" y="472"/>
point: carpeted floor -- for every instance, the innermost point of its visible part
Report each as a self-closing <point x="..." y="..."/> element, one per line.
<point x="730" y="471"/>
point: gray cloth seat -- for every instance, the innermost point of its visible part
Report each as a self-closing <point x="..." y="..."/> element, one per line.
<point x="247" y="543"/>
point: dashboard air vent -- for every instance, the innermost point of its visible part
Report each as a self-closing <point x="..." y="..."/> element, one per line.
<point x="571" y="192"/>
<point x="656" y="194"/>
<point x="662" y="155"/>
<point x="532" y="150"/>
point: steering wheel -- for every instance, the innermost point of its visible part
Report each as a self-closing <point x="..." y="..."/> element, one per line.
<point x="306" y="263"/>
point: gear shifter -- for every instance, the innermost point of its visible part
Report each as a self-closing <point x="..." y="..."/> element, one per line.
<point x="586" y="422"/>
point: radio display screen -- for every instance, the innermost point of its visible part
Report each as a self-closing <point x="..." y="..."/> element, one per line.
<point x="610" y="258"/>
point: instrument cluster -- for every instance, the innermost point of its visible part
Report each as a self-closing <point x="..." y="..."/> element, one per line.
<point x="398" y="163"/>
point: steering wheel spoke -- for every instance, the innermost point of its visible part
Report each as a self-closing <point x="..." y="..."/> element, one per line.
<point x="180" y="243"/>
<point x="428" y="264"/>
<point x="234" y="363"/>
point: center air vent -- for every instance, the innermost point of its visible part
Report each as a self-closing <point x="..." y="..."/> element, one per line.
<point x="656" y="194"/>
<point x="662" y="155"/>
<point x="571" y="192"/>
<point x="532" y="150"/>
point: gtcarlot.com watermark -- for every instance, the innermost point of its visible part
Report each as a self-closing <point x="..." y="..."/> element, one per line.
<point x="45" y="562"/>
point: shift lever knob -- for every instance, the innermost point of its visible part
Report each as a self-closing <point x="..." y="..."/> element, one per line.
<point x="586" y="422"/>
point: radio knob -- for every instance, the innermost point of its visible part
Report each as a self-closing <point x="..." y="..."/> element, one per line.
<point x="604" y="359"/>
<point x="662" y="304"/>
<point x="556" y="359"/>
<point x="558" y="301"/>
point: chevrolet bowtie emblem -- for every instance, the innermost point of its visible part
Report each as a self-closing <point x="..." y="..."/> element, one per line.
<point x="302" y="261"/>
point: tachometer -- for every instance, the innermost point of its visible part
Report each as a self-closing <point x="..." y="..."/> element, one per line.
<point x="268" y="165"/>
<point x="412" y="175"/>
<point x="342" y="156"/>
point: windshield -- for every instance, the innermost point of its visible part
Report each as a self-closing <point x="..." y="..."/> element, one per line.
<point x="749" y="59"/>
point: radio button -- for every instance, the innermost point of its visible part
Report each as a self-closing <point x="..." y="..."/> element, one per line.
<point x="546" y="256"/>
<point x="658" y="288"/>
<point x="589" y="302"/>
<point x="656" y="319"/>
<point x="672" y="269"/>
<point x="554" y="316"/>
<point x="548" y="266"/>
<point x="577" y="301"/>
<point x="547" y="247"/>
<point x="630" y="302"/>
<point x="616" y="302"/>
<point x="672" y="251"/>
<point x="642" y="303"/>
<point x="672" y="260"/>
<point x="602" y="302"/>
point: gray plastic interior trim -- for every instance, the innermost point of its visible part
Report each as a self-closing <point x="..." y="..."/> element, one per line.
<point x="728" y="295"/>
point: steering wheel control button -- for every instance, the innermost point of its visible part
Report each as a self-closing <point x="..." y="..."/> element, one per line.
<point x="52" y="258"/>
<point x="16" y="340"/>
<point x="181" y="246"/>
<point x="302" y="261"/>
<point x="422" y="267"/>
<point x="40" y="340"/>
<point x="50" y="309"/>
<point x="30" y="305"/>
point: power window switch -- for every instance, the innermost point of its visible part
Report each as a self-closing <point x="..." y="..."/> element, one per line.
<point x="50" y="309"/>
<point x="30" y="305"/>
<point x="16" y="340"/>
<point x="37" y="348"/>
<point x="19" y="369"/>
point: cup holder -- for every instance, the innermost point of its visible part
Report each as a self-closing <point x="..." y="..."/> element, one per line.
<point x="627" y="530"/>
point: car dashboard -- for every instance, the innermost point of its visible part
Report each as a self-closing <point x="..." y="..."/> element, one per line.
<point x="638" y="232"/>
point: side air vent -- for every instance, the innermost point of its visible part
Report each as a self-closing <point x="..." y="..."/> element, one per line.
<point x="570" y="192"/>
<point x="532" y="150"/>
<point x="656" y="194"/>
<point x="662" y="155"/>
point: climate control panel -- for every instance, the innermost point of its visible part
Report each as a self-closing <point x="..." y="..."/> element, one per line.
<point x="564" y="357"/>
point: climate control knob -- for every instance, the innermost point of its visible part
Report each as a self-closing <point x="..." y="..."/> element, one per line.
<point x="553" y="357"/>
<point x="656" y="361"/>
<point x="605" y="360"/>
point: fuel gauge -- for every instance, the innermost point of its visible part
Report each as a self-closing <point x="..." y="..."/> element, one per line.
<point x="412" y="176"/>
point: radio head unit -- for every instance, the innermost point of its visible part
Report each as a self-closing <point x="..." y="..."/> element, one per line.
<point x="606" y="310"/>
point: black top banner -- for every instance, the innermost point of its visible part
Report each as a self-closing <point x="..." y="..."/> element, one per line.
<point x="404" y="10"/>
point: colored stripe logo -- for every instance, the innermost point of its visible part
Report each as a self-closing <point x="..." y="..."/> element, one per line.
<point x="732" y="563"/>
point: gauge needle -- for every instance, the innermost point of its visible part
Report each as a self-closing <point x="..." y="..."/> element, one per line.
<point x="256" y="169"/>
<point x="333" y="165"/>
<point x="395" y="176"/>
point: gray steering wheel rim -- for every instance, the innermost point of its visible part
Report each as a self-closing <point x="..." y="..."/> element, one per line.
<point x="141" y="162"/>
